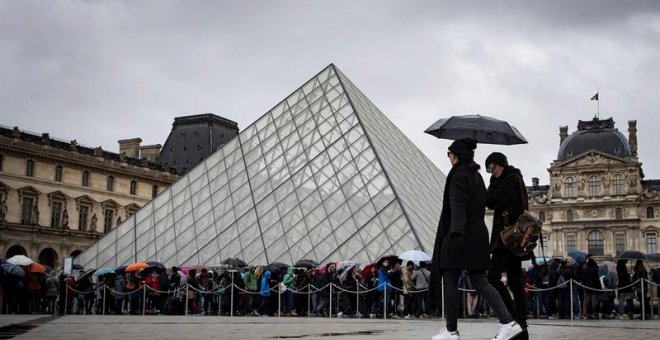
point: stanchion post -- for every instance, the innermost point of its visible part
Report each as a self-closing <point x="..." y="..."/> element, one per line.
<point x="104" y="287"/>
<point x="309" y="294"/>
<point x="357" y="301"/>
<point x="442" y="286"/>
<point x="385" y="301"/>
<point x="570" y="282"/>
<point x="330" y="312"/>
<point x="66" y="297"/>
<point x="144" y="299"/>
<point x="231" y="304"/>
<point x="185" y="300"/>
<point x="279" y="301"/>
<point x="643" y="300"/>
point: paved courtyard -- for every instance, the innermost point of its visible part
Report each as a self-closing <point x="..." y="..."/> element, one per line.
<point x="180" y="327"/>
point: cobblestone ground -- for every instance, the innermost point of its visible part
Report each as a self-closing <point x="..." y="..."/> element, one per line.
<point x="168" y="327"/>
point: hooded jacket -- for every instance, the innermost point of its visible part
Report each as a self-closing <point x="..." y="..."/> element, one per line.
<point x="265" y="287"/>
<point x="288" y="279"/>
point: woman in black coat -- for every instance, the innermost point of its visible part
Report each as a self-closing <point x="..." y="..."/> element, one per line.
<point x="462" y="242"/>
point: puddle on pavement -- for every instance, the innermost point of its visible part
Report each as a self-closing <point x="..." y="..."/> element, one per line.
<point x="328" y="334"/>
<point x="13" y="330"/>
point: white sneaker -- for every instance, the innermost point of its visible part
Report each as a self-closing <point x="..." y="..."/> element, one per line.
<point x="340" y="314"/>
<point x="508" y="331"/>
<point x="446" y="335"/>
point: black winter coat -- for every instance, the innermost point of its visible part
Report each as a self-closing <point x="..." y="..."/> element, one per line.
<point x="463" y="208"/>
<point x="505" y="194"/>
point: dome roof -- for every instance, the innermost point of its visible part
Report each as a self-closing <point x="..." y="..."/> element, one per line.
<point x="599" y="135"/>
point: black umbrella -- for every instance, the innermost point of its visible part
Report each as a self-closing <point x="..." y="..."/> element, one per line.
<point x="276" y="266"/>
<point x="234" y="262"/>
<point x="156" y="265"/>
<point x="653" y="257"/>
<point x="306" y="263"/>
<point x="120" y="270"/>
<point x="483" y="129"/>
<point x="391" y="258"/>
<point x="632" y="255"/>
<point x="76" y="266"/>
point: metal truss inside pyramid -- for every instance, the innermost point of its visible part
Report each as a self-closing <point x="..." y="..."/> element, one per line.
<point x="324" y="175"/>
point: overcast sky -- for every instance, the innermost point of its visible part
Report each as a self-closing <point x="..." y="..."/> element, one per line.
<point x="99" y="71"/>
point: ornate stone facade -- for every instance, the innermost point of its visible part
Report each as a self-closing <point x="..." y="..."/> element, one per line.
<point x="597" y="200"/>
<point x="58" y="198"/>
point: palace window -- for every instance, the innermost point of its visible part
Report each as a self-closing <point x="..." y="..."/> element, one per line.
<point x="83" y="215"/>
<point x="594" y="186"/>
<point x="110" y="183"/>
<point x="56" y="214"/>
<point x="651" y="239"/>
<point x="569" y="216"/>
<point x="29" y="168"/>
<point x="107" y="220"/>
<point x="85" y="178"/>
<point x="595" y="243"/>
<point x="650" y="212"/>
<point x="569" y="187"/>
<point x="542" y="216"/>
<point x="27" y="208"/>
<point x="619" y="243"/>
<point x="618" y="213"/>
<point x="571" y="243"/>
<point x="618" y="185"/>
<point x="133" y="187"/>
<point x="58" y="173"/>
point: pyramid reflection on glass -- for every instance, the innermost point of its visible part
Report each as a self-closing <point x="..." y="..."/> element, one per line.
<point x="324" y="175"/>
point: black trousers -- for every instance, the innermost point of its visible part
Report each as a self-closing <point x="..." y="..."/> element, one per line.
<point x="504" y="261"/>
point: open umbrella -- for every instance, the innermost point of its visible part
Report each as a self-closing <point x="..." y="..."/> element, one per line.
<point x="12" y="269"/>
<point x="20" y="260"/>
<point x="578" y="255"/>
<point x="120" y="270"/>
<point x="653" y="257"/>
<point x="483" y="129"/>
<point x="367" y="269"/>
<point x="104" y="271"/>
<point x="611" y="266"/>
<point x="76" y="266"/>
<point x="341" y="265"/>
<point x="234" y="262"/>
<point x="416" y="256"/>
<point x="391" y="258"/>
<point x="156" y="264"/>
<point x="36" y="267"/>
<point x="632" y="255"/>
<point x="306" y="263"/>
<point x="276" y="266"/>
<point x="136" y="266"/>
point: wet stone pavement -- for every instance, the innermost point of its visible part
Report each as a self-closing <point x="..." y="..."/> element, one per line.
<point x="180" y="327"/>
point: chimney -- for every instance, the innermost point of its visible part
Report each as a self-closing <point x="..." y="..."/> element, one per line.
<point x="632" y="136"/>
<point x="535" y="182"/>
<point x="151" y="152"/>
<point x="563" y="133"/>
<point x="130" y="147"/>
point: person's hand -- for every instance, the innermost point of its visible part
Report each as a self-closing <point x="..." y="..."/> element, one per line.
<point x="458" y="241"/>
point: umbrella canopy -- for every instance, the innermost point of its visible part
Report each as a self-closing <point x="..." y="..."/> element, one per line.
<point x="104" y="271"/>
<point x="483" y="129"/>
<point x="234" y="262"/>
<point x="632" y="255"/>
<point x="86" y="274"/>
<point x="306" y="263"/>
<point x="416" y="256"/>
<point x="120" y="270"/>
<point x="76" y="266"/>
<point x="156" y="264"/>
<point x="346" y="264"/>
<point x="653" y="257"/>
<point x="12" y="269"/>
<point x="578" y="255"/>
<point x="542" y="260"/>
<point x="276" y="266"/>
<point x="136" y="266"/>
<point x="36" y="267"/>
<point x="20" y="260"/>
<point x="391" y="258"/>
<point x="367" y="269"/>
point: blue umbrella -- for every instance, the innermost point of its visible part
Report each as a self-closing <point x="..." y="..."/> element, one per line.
<point x="12" y="269"/>
<point x="578" y="255"/>
<point x="120" y="270"/>
<point x="542" y="260"/>
<point x="103" y="271"/>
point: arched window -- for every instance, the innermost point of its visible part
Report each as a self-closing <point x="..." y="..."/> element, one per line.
<point x="110" y="183"/>
<point x="569" y="187"/>
<point x="133" y="187"/>
<point x="618" y="185"/>
<point x="29" y="168"/>
<point x="595" y="243"/>
<point x="650" y="212"/>
<point x="542" y="216"/>
<point x="618" y="213"/>
<point x="85" y="178"/>
<point x="594" y="186"/>
<point x="569" y="215"/>
<point x="58" y="173"/>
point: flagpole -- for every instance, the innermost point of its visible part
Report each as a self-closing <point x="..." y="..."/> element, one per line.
<point x="598" y="102"/>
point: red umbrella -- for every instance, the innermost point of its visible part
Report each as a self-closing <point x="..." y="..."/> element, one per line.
<point x="36" y="268"/>
<point x="367" y="269"/>
<point x="136" y="266"/>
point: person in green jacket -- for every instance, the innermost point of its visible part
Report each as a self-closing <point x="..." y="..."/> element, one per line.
<point x="251" y="280"/>
<point x="287" y="296"/>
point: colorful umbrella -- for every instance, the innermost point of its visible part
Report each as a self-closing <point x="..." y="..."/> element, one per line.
<point x="20" y="260"/>
<point x="416" y="256"/>
<point x="36" y="267"/>
<point x="136" y="266"/>
<point x="104" y="271"/>
<point x="367" y="269"/>
<point x="12" y="269"/>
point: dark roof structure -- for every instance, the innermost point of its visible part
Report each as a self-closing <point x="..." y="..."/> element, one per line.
<point x="599" y="135"/>
<point x="194" y="138"/>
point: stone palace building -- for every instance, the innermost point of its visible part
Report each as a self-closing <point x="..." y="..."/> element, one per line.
<point x="598" y="200"/>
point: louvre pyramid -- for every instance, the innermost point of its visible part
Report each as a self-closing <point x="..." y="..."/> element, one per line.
<point x="323" y="175"/>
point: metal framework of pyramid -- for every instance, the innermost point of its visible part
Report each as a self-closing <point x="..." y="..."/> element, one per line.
<point x="324" y="175"/>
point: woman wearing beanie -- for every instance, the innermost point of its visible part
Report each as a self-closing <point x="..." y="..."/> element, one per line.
<point x="462" y="242"/>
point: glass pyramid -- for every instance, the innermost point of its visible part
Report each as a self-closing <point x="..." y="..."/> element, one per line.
<point x="324" y="175"/>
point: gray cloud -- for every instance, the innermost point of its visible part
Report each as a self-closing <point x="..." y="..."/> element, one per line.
<point x="99" y="71"/>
